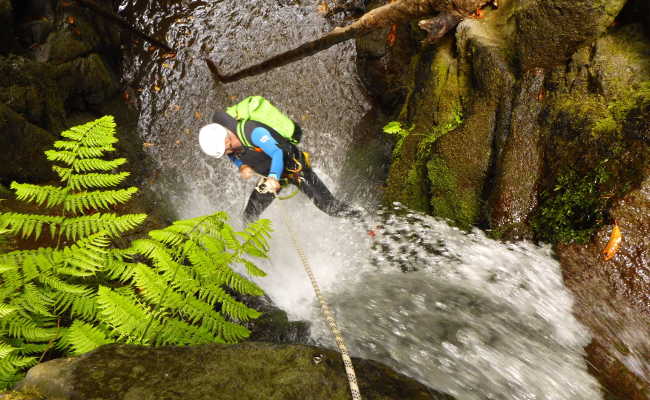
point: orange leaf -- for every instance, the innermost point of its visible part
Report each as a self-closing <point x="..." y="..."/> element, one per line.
<point x="392" y="35"/>
<point x="147" y="144"/>
<point x="197" y="115"/>
<point x="615" y="240"/>
<point x="168" y="55"/>
<point x="71" y="20"/>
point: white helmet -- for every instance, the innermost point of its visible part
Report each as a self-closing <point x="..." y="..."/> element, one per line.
<point x="212" y="138"/>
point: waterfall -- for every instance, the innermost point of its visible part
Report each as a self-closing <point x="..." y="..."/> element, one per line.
<point x="464" y="314"/>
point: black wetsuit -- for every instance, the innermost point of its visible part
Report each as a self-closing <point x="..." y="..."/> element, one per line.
<point x="258" y="159"/>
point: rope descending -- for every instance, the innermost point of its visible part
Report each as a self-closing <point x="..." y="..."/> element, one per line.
<point x="331" y="322"/>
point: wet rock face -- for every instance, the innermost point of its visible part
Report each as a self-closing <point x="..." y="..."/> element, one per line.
<point x="548" y="32"/>
<point x="245" y="371"/>
<point x="565" y="92"/>
<point x="613" y="297"/>
<point x="51" y="79"/>
<point x="519" y="168"/>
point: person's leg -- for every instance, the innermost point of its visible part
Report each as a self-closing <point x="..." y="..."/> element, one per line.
<point x="257" y="203"/>
<point x="316" y="190"/>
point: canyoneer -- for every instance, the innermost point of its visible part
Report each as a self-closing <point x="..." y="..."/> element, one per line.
<point x="261" y="140"/>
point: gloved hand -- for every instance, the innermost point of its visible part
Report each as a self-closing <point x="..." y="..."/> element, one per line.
<point x="246" y="172"/>
<point x="273" y="184"/>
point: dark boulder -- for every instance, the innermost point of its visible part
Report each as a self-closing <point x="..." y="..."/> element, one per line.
<point x="245" y="371"/>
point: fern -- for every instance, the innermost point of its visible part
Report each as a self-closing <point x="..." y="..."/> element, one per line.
<point x="177" y="286"/>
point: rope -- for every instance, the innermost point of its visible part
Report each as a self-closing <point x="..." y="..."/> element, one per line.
<point x="327" y="313"/>
<point x="345" y="355"/>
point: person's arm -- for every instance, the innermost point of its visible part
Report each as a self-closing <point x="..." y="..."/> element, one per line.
<point x="261" y="137"/>
<point x="235" y="161"/>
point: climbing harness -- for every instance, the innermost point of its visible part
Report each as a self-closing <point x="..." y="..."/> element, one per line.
<point x="262" y="187"/>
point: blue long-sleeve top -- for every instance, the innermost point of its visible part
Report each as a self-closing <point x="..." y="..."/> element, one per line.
<point x="261" y="137"/>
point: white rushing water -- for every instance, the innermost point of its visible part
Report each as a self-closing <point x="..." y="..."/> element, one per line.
<point x="464" y="314"/>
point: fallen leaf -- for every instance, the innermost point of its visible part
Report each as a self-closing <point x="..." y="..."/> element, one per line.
<point x="156" y="88"/>
<point x="392" y="35"/>
<point x="151" y="48"/>
<point x="178" y="142"/>
<point x="187" y="131"/>
<point x="168" y="55"/>
<point x="125" y="95"/>
<point x="541" y="95"/>
<point x="233" y="98"/>
<point x="323" y="8"/>
<point x="77" y="32"/>
<point x="165" y="65"/>
<point x="615" y="240"/>
<point x="197" y="115"/>
<point x="147" y="144"/>
<point x="70" y="20"/>
<point x="175" y="107"/>
<point x="66" y="3"/>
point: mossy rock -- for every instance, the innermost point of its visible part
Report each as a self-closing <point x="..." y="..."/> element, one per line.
<point x="621" y="61"/>
<point x="31" y="88"/>
<point x="72" y="41"/>
<point x="245" y="371"/>
<point x="27" y="142"/>
<point x="458" y="171"/>
<point x="548" y="32"/>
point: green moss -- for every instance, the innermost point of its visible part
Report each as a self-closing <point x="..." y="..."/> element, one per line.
<point x="448" y="200"/>
<point x="574" y="209"/>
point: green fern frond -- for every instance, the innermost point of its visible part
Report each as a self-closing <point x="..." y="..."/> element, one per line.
<point x="97" y="133"/>
<point x="229" y="238"/>
<point x="6" y="349"/>
<point x="114" y="225"/>
<point x="97" y="199"/>
<point x="94" y="164"/>
<point x="168" y="237"/>
<point x="214" y="294"/>
<point x="82" y="337"/>
<point x="96" y="180"/>
<point x="43" y="195"/>
<point x="57" y="284"/>
<point x="177" y="274"/>
<point x="36" y="301"/>
<point x="20" y="326"/>
<point x="90" y="180"/>
<point x="27" y="225"/>
<point x="79" y="306"/>
<point x="82" y="151"/>
<point x="252" y="268"/>
<point x="6" y="309"/>
<point x="155" y="288"/>
<point x="123" y="315"/>
<point x="118" y="269"/>
<point x="87" y="254"/>
<point x="176" y="332"/>
<point x="11" y="367"/>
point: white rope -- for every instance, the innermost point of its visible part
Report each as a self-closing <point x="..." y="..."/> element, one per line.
<point x="345" y="355"/>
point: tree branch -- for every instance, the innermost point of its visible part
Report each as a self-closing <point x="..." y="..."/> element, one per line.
<point x="124" y="24"/>
<point x="397" y="12"/>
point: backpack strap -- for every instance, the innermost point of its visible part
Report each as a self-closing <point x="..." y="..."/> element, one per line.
<point x="241" y="133"/>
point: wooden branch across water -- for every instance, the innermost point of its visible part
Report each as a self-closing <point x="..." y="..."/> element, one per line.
<point x="396" y="12"/>
<point x="124" y="24"/>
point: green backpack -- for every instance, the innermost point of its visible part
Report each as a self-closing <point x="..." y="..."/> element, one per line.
<point x="259" y="109"/>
